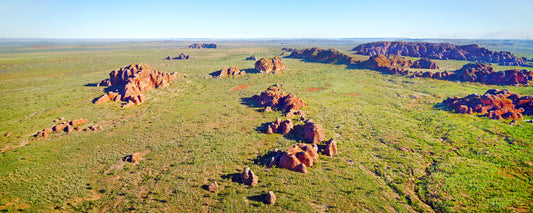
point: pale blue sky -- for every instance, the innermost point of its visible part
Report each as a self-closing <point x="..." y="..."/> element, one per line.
<point x="266" y="19"/>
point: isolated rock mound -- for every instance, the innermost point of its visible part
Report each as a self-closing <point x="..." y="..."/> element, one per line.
<point x="441" y="51"/>
<point x="132" y="80"/>
<point x="298" y="158"/>
<point x="484" y="73"/>
<point x="202" y="46"/>
<point x="249" y="178"/>
<point x="267" y="65"/>
<point x="251" y="58"/>
<point x="228" y="72"/>
<point x="275" y="98"/>
<point x="496" y="104"/>
<point x="182" y="56"/>
<point x="329" y="56"/>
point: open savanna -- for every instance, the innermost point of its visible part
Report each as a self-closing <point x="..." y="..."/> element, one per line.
<point x="400" y="149"/>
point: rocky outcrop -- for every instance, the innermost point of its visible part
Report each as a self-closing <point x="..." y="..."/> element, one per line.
<point x="312" y="132"/>
<point x="132" y="80"/>
<point x="182" y="56"/>
<point x="276" y="99"/>
<point x="228" y="72"/>
<point x="249" y="178"/>
<point x="496" y="104"/>
<point x="212" y="187"/>
<point x="484" y="73"/>
<point x="298" y="158"/>
<point x="63" y="125"/>
<point x="267" y="65"/>
<point x="203" y="46"/>
<point x="442" y="51"/>
<point x="270" y="198"/>
<point x="331" y="148"/>
<point x="329" y="56"/>
<point x="251" y="58"/>
<point x="425" y="63"/>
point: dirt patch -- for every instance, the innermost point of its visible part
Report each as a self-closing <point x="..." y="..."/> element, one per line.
<point x="314" y="89"/>
<point x="355" y="95"/>
<point x="240" y="87"/>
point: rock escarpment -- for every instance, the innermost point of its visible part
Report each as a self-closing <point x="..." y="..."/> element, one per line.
<point x="131" y="81"/>
<point x="267" y="65"/>
<point x="442" y="51"/>
<point x="203" y="46"/>
<point x="329" y="56"/>
<point x="496" y="104"/>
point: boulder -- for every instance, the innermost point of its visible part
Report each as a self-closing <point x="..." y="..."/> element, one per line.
<point x="313" y="133"/>
<point x="270" y="198"/>
<point x="267" y="65"/>
<point x="331" y="148"/>
<point x="60" y="127"/>
<point x="249" y="178"/>
<point x="134" y="158"/>
<point x="286" y="127"/>
<point x="213" y="187"/>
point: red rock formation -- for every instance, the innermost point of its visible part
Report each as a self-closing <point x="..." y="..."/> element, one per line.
<point x="228" y="72"/>
<point x="270" y="198"/>
<point x="275" y="98"/>
<point x="251" y="58"/>
<point x="77" y="122"/>
<point x="496" y="104"/>
<point x="249" y="178"/>
<point x="484" y="73"/>
<point x="132" y="81"/>
<point x="203" y="46"/>
<point x="213" y="187"/>
<point x="64" y="126"/>
<point x="441" y="51"/>
<point x="182" y="56"/>
<point x="267" y="65"/>
<point x="298" y="158"/>
<point x="425" y="63"/>
<point x="329" y="56"/>
<point x="331" y="148"/>
<point x="313" y="133"/>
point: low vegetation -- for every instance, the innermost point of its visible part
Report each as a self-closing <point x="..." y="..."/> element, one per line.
<point x="398" y="147"/>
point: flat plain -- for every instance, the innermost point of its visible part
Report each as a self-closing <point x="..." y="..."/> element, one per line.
<point x="400" y="149"/>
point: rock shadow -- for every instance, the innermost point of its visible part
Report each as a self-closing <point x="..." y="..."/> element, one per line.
<point x="235" y="177"/>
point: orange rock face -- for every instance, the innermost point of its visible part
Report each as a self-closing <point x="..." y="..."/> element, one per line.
<point x="267" y="65"/>
<point x="77" y="122"/>
<point x="132" y="81"/>
<point x="275" y="98"/>
<point x="496" y="104"/>
<point x="331" y="148"/>
<point x="298" y="158"/>
<point x="229" y="72"/>
<point x="313" y="133"/>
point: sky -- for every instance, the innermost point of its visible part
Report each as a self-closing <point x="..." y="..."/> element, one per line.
<point x="132" y="19"/>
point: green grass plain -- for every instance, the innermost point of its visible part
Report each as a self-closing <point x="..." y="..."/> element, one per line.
<point x="400" y="151"/>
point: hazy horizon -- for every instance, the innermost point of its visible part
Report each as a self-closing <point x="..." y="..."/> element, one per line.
<point x="209" y="19"/>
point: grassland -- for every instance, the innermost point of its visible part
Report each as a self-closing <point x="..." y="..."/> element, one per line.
<point x="400" y="150"/>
